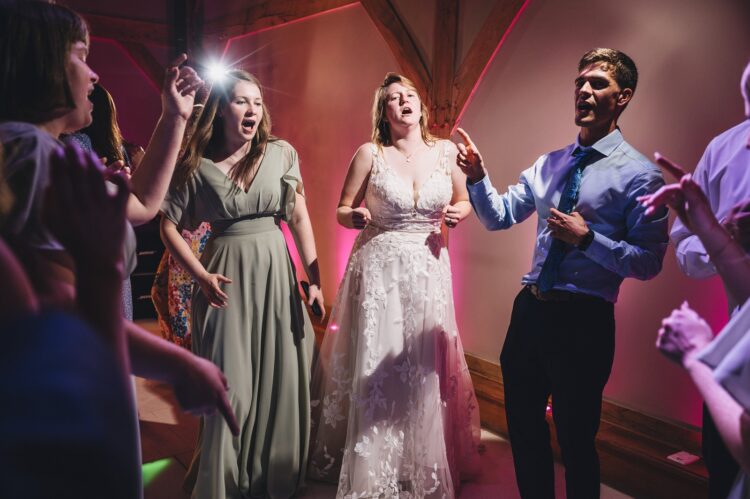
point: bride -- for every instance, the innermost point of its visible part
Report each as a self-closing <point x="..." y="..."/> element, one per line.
<point x="394" y="411"/>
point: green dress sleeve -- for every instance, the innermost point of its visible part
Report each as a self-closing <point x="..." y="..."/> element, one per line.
<point x="291" y="182"/>
<point x="180" y="205"/>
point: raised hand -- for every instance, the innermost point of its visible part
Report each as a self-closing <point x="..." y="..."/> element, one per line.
<point x="685" y="197"/>
<point x="180" y="87"/>
<point x="682" y="335"/>
<point x="210" y="285"/>
<point x="469" y="159"/>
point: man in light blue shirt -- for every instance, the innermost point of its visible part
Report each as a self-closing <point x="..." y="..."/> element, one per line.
<point x="724" y="175"/>
<point x="591" y="234"/>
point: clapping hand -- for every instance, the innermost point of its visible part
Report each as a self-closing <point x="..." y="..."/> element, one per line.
<point x="682" y="335"/>
<point x="737" y="224"/>
<point x="684" y="196"/>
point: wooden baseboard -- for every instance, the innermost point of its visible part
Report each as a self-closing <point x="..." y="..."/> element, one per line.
<point x="633" y="447"/>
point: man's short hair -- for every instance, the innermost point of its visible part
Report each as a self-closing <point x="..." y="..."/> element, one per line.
<point x="745" y="83"/>
<point x="618" y="64"/>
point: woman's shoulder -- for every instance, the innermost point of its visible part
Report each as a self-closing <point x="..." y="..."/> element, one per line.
<point x="446" y="145"/>
<point x="366" y="151"/>
<point x="25" y="143"/>
<point x="26" y="135"/>
<point x="281" y="146"/>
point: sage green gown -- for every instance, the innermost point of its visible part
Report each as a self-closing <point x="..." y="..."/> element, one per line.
<point x="262" y="340"/>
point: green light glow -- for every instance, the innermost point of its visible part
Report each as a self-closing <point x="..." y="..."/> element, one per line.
<point x="154" y="469"/>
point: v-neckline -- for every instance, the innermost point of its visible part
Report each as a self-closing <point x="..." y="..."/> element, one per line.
<point x="235" y="184"/>
<point x="415" y="193"/>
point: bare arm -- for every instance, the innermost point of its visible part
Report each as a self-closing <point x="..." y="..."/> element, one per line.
<point x="90" y="223"/>
<point x="349" y="213"/>
<point x="304" y="239"/>
<point x="210" y="284"/>
<point x="682" y="337"/>
<point x="731" y="419"/>
<point x="199" y="385"/>
<point x="151" y="179"/>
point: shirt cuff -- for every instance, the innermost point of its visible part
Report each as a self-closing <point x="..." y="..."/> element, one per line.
<point x="480" y="188"/>
<point x="600" y="248"/>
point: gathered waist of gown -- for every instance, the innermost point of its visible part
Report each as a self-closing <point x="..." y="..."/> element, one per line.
<point x="417" y="224"/>
<point x="251" y="224"/>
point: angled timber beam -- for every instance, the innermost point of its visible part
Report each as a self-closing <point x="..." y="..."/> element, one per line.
<point x="266" y="14"/>
<point x="401" y="42"/>
<point x="127" y="30"/>
<point x="442" y="110"/>
<point x="497" y="25"/>
<point x="147" y="63"/>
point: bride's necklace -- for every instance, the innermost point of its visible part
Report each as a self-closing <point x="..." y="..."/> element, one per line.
<point x="407" y="156"/>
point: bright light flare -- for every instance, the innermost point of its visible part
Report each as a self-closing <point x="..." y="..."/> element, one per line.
<point x="216" y="72"/>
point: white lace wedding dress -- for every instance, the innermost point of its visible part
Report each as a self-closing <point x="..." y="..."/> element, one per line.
<point x="394" y="411"/>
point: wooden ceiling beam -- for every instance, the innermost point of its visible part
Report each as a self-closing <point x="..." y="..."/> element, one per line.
<point x="266" y="14"/>
<point x="401" y="42"/>
<point x="146" y="61"/>
<point x="488" y="40"/>
<point x="127" y="30"/>
<point x="444" y="68"/>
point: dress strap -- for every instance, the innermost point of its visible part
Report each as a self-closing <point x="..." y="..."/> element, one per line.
<point x="444" y="157"/>
<point x="377" y="160"/>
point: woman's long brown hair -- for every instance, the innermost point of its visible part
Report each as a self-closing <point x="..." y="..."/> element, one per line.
<point x="104" y="132"/>
<point x="209" y="134"/>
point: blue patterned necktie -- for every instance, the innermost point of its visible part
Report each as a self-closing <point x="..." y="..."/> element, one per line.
<point x="558" y="248"/>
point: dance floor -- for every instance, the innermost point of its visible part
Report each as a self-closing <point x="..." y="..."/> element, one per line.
<point x="168" y="437"/>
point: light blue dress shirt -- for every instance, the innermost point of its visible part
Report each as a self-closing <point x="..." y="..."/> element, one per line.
<point x="724" y="175"/>
<point x="626" y="242"/>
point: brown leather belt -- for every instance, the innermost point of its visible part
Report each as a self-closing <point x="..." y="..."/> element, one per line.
<point x="558" y="295"/>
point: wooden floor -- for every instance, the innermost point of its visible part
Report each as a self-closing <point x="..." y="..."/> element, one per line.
<point x="168" y="437"/>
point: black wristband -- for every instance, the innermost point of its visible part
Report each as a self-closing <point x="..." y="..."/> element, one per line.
<point x="586" y="241"/>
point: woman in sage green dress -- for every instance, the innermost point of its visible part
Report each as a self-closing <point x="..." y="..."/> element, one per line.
<point x="247" y="313"/>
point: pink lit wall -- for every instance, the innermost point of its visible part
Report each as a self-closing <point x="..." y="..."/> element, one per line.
<point x="320" y="75"/>
<point x="690" y="56"/>
<point x="137" y="100"/>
